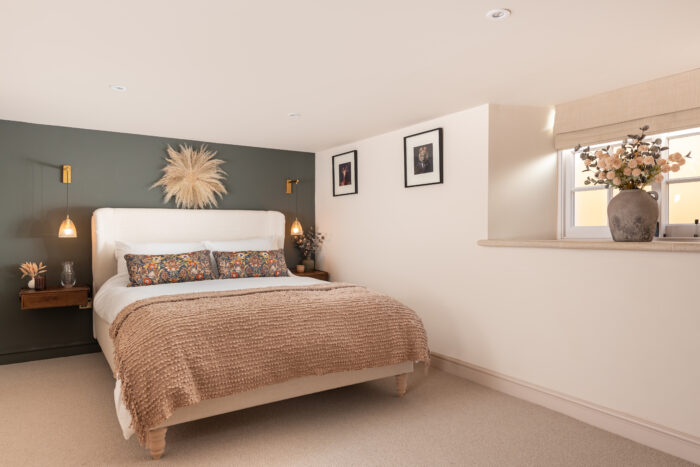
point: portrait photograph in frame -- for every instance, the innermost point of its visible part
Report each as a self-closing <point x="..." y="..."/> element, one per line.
<point x="422" y="158"/>
<point x="345" y="173"/>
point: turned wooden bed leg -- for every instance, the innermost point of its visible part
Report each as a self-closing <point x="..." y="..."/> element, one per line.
<point x="401" y="383"/>
<point x="155" y="442"/>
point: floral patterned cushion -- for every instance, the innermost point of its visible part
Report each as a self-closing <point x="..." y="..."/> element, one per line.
<point x="235" y="264"/>
<point x="162" y="269"/>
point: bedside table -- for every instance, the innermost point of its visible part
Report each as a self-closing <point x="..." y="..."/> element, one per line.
<point x="316" y="274"/>
<point x="54" y="297"/>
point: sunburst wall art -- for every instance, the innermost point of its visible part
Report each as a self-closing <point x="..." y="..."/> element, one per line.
<point x="192" y="177"/>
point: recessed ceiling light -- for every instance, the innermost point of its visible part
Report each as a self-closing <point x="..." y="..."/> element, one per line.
<point x="294" y="115"/>
<point x="498" y="14"/>
<point x="117" y="87"/>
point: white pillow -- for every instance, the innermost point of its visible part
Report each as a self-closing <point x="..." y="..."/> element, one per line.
<point x="248" y="244"/>
<point x="156" y="248"/>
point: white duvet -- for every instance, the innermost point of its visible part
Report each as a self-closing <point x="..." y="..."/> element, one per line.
<point x="114" y="295"/>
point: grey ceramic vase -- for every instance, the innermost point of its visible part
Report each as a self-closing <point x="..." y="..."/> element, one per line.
<point x="632" y="216"/>
<point x="309" y="264"/>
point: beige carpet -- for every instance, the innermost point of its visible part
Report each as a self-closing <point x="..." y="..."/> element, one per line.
<point x="60" y="412"/>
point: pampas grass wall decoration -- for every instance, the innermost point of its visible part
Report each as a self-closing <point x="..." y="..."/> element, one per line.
<point x="192" y="177"/>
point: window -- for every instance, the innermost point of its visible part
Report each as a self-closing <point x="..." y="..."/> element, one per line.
<point x="583" y="212"/>
<point x="682" y="189"/>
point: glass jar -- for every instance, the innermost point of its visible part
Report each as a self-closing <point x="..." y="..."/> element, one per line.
<point x="67" y="274"/>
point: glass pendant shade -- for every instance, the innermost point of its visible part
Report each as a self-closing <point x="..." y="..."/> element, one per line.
<point x="296" y="228"/>
<point x="67" y="229"/>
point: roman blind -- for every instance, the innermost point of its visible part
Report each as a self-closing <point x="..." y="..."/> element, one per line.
<point x="665" y="104"/>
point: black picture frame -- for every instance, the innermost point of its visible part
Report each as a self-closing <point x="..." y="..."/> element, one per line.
<point x="353" y="161"/>
<point x="439" y="157"/>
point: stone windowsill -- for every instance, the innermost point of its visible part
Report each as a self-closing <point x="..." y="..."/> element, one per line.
<point x="656" y="245"/>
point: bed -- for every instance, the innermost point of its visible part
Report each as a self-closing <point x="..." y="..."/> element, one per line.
<point x="110" y="225"/>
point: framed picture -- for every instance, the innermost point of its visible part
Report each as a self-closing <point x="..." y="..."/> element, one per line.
<point x="422" y="158"/>
<point x="345" y="174"/>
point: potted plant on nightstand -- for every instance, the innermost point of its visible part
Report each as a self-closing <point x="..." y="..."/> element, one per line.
<point x="32" y="270"/>
<point x="637" y="162"/>
<point x="309" y="243"/>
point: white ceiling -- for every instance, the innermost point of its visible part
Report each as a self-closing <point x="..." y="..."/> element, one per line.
<point x="231" y="71"/>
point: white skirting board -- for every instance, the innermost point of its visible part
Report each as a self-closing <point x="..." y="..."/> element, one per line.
<point x="659" y="437"/>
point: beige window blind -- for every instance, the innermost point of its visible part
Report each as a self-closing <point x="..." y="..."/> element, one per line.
<point x="665" y="104"/>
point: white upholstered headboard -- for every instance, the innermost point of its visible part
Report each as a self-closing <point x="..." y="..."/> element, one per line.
<point x="174" y="225"/>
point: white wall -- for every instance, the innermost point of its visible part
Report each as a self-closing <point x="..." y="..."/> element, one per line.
<point x="522" y="165"/>
<point x="616" y="328"/>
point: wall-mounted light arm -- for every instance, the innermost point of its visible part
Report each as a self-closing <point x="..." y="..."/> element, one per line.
<point x="289" y="185"/>
<point x="65" y="174"/>
<point x="67" y="228"/>
<point x="296" y="228"/>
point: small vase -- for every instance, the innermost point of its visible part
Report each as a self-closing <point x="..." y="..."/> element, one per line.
<point x="309" y="264"/>
<point x="632" y="216"/>
<point x="40" y="282"/>
<point x="67" y="275"/>
<point x="30" y="284"/>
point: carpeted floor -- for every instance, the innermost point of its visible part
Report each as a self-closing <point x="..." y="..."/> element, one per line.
<point x="61" y="412"/>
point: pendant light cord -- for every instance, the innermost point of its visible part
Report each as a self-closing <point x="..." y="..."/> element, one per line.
<point x="67" y="187"/>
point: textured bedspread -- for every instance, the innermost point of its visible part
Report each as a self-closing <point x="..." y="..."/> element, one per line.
<point x="177" y="350"/>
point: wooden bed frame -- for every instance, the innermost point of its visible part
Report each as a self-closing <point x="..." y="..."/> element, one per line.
<point x="147" y="225"/>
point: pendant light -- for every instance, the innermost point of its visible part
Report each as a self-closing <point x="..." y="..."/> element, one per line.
<point x="296" y="228"/>
<point x="67" y="228"/>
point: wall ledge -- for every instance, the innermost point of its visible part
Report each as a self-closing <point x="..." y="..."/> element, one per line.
<point x="656" y="245"/>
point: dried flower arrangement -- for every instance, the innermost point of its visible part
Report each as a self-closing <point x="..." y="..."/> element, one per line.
<point x="193" y="177"/>
<point x="32" y="269"/>
<point x="310" y="242"/>
<point x="633" y="165"/>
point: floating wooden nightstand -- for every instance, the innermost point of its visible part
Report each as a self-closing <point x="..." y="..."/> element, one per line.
<point x="54" y="297"/>
<point x="320" y="275"/>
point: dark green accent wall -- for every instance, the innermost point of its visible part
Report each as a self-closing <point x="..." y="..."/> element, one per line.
<point x="109" y="170"/>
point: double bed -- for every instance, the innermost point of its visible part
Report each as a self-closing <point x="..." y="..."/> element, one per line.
<point x="113" y="296"/>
